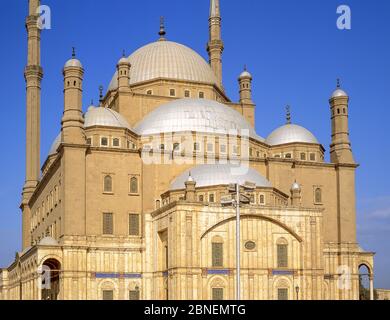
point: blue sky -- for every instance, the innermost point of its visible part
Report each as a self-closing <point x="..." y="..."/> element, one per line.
<point x="293" y="49"/>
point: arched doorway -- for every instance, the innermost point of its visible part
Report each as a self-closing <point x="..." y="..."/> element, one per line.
<point x="366" y="283"/>
<point x="50" y="279"/>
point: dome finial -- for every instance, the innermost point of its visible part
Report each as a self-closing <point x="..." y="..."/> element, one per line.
<point x="100" y="94"/>
<point x="73" y="52"/>
<point x="338" y="83"/>
<point x="162" y="32"/>
<point x="288" y="114"/>
<point x="124" y="53"/>
<point x="245" y="69"/>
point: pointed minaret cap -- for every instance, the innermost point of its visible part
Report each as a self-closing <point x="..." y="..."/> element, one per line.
<point x="339" y="92"/>
<point x="190" y="178"/>
<point x="215" y="10"/>
<point x="73" y="62"/>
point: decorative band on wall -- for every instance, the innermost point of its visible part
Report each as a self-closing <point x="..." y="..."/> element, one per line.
<point x="225" y="272"/>
<point x="282" y="272"/>
<point x="117" y="275"/>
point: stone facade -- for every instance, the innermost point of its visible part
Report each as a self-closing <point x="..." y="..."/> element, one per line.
<point x="108" y="224"/>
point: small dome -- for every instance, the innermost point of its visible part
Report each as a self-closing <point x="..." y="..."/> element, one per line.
<point x="219" y="174"/>
<point x="104" y="117"/>
<point x="167" y="59"/>
<point x="73" y="63"/>
<point x="295" y="186"/>
<point x="245" y="74"/>
<point x="196" y="115"/>
<point x="291" y="133"/>
<point x="48" y="241"/>
<point x="339" y="93"/>
<point x="123" y="60"/>
<point x="55" y="145"/>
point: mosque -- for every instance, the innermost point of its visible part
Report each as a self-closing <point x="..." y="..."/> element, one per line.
<point x="132" y="201"/>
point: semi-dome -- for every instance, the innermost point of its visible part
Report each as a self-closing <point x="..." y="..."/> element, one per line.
<point x="99" y="116"/>
<point x="291" y="133"/>
<point x="167" y="59"/>
<point x="55" y="145"/>
<point x="219" y="174"/>
<point x="48" y="241"/>
<point x="197" y="115"/>
<point x="96" y="116"/>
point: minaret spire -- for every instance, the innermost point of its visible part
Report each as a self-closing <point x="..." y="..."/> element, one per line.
<point x="215" y="45"/>
<point x="288" y="114"/>
<point x="162" y="31"/>
<point x="33" y="75"/>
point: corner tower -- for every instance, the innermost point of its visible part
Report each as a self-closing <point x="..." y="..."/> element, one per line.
<point x="72" y="120"/>
<point x="215" y="44"/>
<point x="340" y="149"/>
<point x="33" y="75"/>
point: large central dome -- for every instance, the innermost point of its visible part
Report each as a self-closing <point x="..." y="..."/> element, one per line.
<point x="166" y="59"/>
<point x="194" y="115"/>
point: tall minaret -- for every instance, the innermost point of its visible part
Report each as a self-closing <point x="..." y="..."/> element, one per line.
<point x="340" y="149"/>
<point x="215" y="44"/>
<point x="33" y="75"/>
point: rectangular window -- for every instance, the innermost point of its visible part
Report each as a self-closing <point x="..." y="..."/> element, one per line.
<point x="108" y="295"/>
<point x="201" y="198"/>
<point x="104" y="142"/>
<point x="223" y="148"/>
<point x="282" y="294"/>
<point x="89" y="141"/>
<point x="217" y="294"/>
<point x="116" y="142"/>
<point x="211" y="198"/>
<point x="303" y="156"/>
<point x="312" y="157"/>
<point x="210" y="147"/>
<point x="217" y="254"/>
<point x="288" y="156"/>
<point x="108" y="224"/>
<point x="134" y="295"/>
<point x="187" y="93"/>
<point x="134" y="224"/>
<point x="282" y="256"/>
<point x="201" y="95"/>
<point x="172" y="92"/>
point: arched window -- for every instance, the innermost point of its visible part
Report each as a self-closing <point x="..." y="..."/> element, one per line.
<point x="134" y="185"/>
<point x="107" y="184"/>
<point x="262" y="199"/>
<point x="318" y="195"/>
<point x="282" y="253"/>
<point x="217" y="252"/>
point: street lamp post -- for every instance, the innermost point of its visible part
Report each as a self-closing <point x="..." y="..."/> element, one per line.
<point x="238" y="243"/>
<point x="297" y="291"/>
<point x="248" y="186"/>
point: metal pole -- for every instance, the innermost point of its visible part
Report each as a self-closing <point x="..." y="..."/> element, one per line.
<point x="238" y="242"/>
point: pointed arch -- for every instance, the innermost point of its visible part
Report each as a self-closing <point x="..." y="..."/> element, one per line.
<point x="254" y="216"/>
